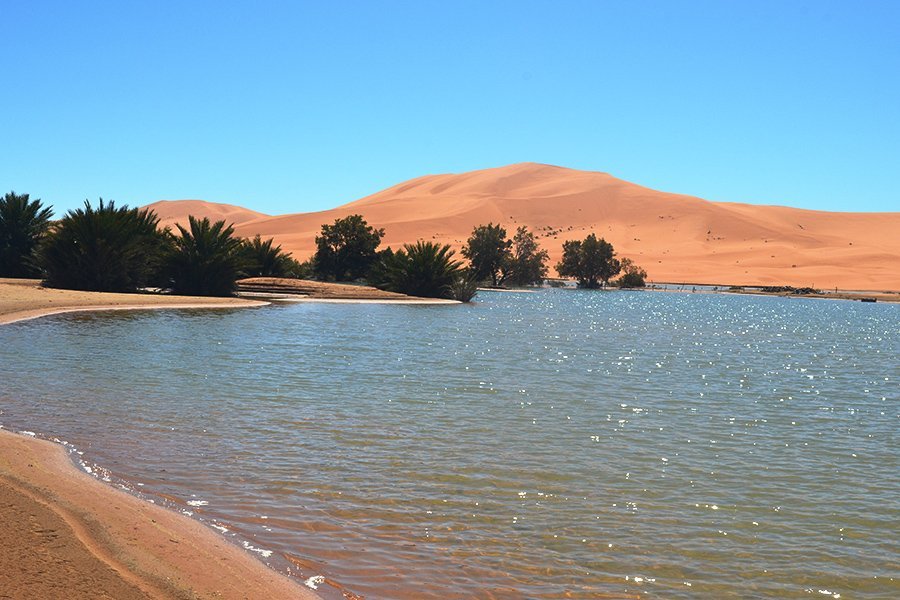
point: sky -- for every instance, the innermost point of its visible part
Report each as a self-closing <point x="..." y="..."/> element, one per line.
<point x="297" y="106"/>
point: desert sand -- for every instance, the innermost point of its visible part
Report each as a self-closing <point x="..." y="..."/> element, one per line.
<point x="171" y="212"/>
<point x="676" y="238"/>
<point x="25" y="299"/>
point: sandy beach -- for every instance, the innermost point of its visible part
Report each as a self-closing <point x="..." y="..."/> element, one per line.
<point x="68" y="535"/>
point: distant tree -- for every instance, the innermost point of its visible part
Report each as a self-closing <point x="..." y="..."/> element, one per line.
<point x="346" y="250"/>
<point x="422" y="269"/>
<point x="108" y="248"/>
<point x="591" y="261"/>
<point x="488" y="251"/>
<point x="526" y="264"/>
<point x="205" y="259"/>
<point x="264" y="259"/>
<point x="632" y="275"/>
<point x="378" y="272"/>
<point x="23" y="223"/>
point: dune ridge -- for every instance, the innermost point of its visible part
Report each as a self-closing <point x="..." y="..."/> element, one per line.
<point x="675" y="237"/>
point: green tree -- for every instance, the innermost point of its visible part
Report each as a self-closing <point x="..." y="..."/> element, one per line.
<point x="205" y="259"/>
<point x="422" y="269"/>
<point x="526" y="264"/>
<point x="108" y="248"/>
<point x="488" y="251"/>
<point x="23" y="223"/>
<point x="632" y="275"/>
<point x="264" y="259"/>
<point x="346" y="250"/>
<point x="591" y="261"/>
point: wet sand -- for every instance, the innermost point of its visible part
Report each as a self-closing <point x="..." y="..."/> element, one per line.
<point x="68" y="535"/>
<point x="22" y="299"/>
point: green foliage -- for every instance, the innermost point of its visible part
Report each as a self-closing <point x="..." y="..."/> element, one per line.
<point x="111" y="249"/>
<point x="422" y="269"/>
<point x="591" y="261"/>
<point x="464" y="287"/>
<point x="264" y="259"/>
<point x="488" y="251"/>
<point x="205" y="259"/>
<point x="632" y="275"/>
<point x="378" y="272"/>
<point x="346" y="250"/>
<point x="23" y="223"/>
<point x="527" y="264"/>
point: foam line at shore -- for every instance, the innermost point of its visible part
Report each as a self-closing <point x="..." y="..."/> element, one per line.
<point x="126" y="544"/>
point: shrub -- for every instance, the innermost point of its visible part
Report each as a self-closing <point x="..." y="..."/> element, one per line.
<point x="632" y="275"/>
<point x="263" y="259"/>
<point x="464" y="287"/>
<point x="23" y="223"/>
<point x="422" y="269"/>
<point x="111" y="249"/>
<point x="205" y="259"/>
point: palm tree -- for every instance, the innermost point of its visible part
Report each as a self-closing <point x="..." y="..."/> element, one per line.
<point x="261" y="259"/>
<point x="111" y="249"/>
<point x="422" y="269"/>
<point x="22" y="225"/>
<point x="205" y="259"/>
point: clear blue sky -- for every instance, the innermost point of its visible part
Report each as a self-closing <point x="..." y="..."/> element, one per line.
<point x="299" y="106"/>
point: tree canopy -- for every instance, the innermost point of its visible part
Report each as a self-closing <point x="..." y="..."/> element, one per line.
<point x="108" y="248"/>
<point x="591" y="261"/>
<point x="488" y="251"/>
<point x="264" y="259"/>
<point x="527" y="263"/>
<point x="23" y="223"/>
<point x="346" y="250"/>
<point x="205" y="259"/>
<point x="632" y="275"/>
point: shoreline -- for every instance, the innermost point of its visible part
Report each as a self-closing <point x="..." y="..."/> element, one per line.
<point x="71" y="535"/>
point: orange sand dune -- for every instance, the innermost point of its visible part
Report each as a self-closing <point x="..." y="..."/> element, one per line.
<point x="676" y="238"/>
<point x="171" y="212"/>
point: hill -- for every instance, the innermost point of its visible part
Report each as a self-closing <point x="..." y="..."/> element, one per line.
<point x="676" y="238"/>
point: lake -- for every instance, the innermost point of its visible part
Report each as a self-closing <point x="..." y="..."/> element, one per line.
<point x="557" y="444"/>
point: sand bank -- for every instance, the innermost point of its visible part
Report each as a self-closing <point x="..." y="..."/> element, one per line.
<point x="307" y="290"/>
<point x="67" y="535"/>
<point x="22" y="299"/>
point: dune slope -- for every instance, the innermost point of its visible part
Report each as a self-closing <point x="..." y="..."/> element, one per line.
<point x="677" y="238"/>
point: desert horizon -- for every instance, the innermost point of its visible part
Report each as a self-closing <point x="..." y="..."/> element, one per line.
<point x="675" y="237"/>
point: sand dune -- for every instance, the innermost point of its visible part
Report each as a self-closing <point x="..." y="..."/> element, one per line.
<point x="677" y="238"/>
<point x="177" y="211"/>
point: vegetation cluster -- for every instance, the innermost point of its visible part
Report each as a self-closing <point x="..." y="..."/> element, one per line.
<point x="117" y="248"/>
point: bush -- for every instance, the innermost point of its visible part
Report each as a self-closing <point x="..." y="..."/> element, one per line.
<point x="263" y="259"/>
<point x="205" y="259"/>
<point x="465" y="287"/>
<point x="106" y="249"/>
<point x="632" y="275"/>
<point x="422" y="269"/>
<point x="22" y="225"/>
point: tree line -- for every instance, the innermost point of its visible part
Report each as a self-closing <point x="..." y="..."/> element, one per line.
<point x="116" y="248"/>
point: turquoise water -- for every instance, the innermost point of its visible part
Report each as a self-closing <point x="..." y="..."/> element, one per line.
<point x="555" y="444"/>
